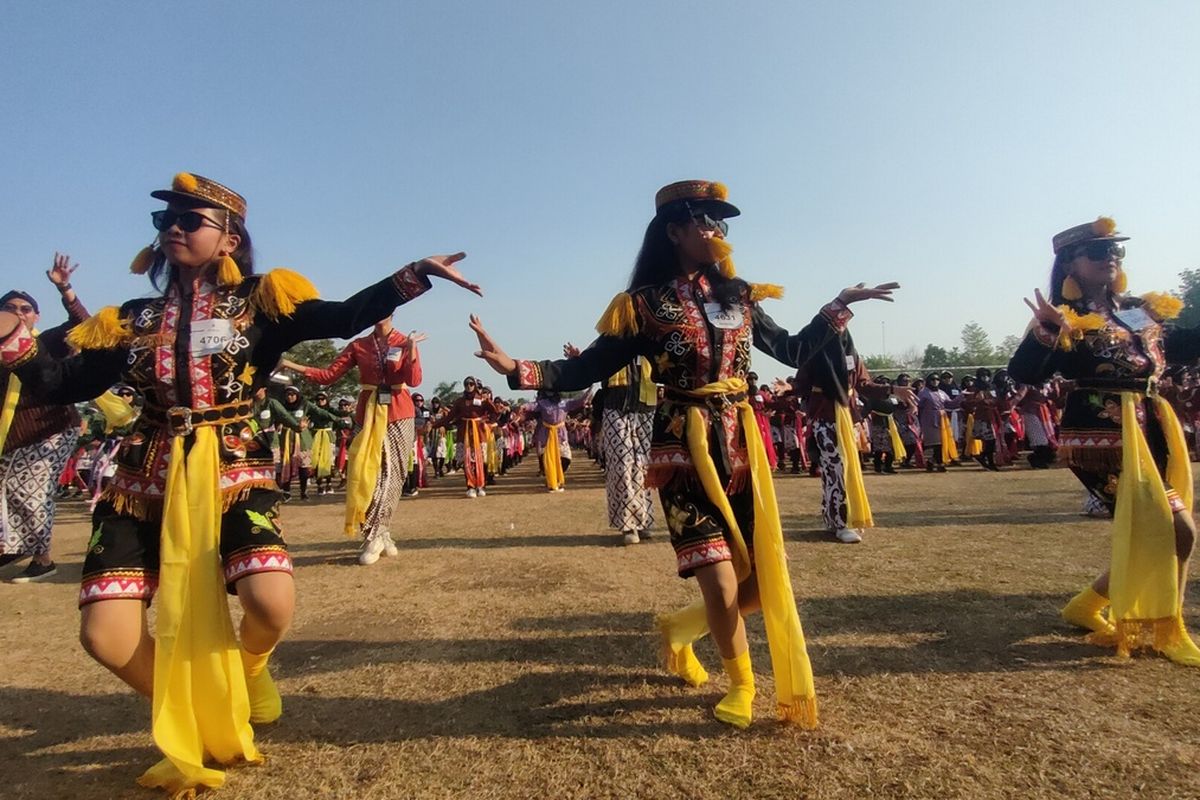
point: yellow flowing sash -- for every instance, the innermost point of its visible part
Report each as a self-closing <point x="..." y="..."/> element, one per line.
<point x="899" y="451"/>
<point x="1144" y="578"/>
<point x="474" y="443"/>
<point x="973" y="446"/>
<point x="795" y="691"/>
<point x="858" y="508"/>
<point x="117" y="413"/>
<point x="949" y="447"/>
<point x="323" y="452"/>
<point x="12" y="395"/>
<point x="493" y="452"/>
<point x="366" y="460"/>
<point x="552" y="458"/>
<point x="201" y="711"/>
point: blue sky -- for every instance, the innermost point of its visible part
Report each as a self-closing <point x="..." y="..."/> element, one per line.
<point x="939" y="144"/>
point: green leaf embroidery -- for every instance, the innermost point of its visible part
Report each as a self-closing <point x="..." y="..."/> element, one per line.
<point x="95" y="540"/>
<point x="260" y="520"/>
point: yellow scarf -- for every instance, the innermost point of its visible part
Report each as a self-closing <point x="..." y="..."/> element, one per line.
<point x="117" y="413"/>
<point x="552" y="458"/>
<point x="795" y="691"/>
<point x="493" y="452"/>
<point x="366" y="460"/>
<point x="323" y="452"/>
<point x="973" y="446"/>
<point x="858" y="508"/>
<point x="201" y="710"/>
<point x="1144" y="579"/>
<point x="899" y="451"/>
<point x="949" y="448"/>
<point x="474" y="444"/>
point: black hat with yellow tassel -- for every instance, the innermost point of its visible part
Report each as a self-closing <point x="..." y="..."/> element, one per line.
<point x="190" y="190"/>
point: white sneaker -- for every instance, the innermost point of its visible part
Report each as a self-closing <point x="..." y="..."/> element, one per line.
<point x="848" y="536"/>
<point x="631" y="537"/>
<point x="471" y="492"/>
<point x="389" y="547"/>
<point x="371" y="550"/>
<point x="561" y="489"/>
<point x="482" y="492"/>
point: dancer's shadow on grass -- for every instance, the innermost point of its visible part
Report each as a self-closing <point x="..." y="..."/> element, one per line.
<point x="809" y="528"/>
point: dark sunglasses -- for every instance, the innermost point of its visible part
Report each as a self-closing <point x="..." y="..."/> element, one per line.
<point x="705" y="222"/>
<point x="124" y="393"/>
<point x="188" y="221"/>
<point x="15" y="309"/>
<point x="1101" y="251"/>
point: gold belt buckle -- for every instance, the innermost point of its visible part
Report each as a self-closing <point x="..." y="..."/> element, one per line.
<point x="179" y="421"/>
<point x="1152" y="386"/>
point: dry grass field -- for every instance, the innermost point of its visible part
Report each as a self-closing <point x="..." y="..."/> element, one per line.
<point x="508" y="654"/>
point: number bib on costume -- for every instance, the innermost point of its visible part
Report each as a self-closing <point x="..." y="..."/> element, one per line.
<point x="1136" y="319"/>
<point x="211" y="336"/>
<point x="725" y="319"/>
<point x="394" y="353"/>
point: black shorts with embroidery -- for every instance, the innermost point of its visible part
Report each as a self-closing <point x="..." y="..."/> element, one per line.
<point x="123" y="553"/>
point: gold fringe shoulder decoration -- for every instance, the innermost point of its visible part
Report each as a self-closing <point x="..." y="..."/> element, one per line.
<point x="761" y="291"/>
<point x="104" y="330"/>
<point x="279" y="291"/>
<point x="1162" y="305"/>
<point x="1077" y="326"/>
<point x="619" y="319"/>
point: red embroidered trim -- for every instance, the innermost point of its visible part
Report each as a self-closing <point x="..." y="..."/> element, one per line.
<point x="838" y="314"/>
<point x="118" y="585"/>
<point x="409" y="284"/>
<point x="260" y="559"/>
<point x="703" y="554"/>
<point x="529" y="374"/>
<point x="20" y="348"/>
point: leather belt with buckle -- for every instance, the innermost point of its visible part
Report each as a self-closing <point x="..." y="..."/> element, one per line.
<point x="181" y="420"/>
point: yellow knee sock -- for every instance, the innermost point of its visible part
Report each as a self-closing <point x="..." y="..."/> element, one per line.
<point x="1085" y="611"/>
<point x="678" y="631"/>
<point x="265" y="703"/>
<point x="1183" y="650"/>
<point x="737" y="706"/>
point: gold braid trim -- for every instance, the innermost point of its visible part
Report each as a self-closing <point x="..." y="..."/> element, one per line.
<point x="104" y="330"/>
<point x="280" y="291"/>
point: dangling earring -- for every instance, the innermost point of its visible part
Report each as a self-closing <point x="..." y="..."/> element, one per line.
<point x="144" y="260"/>
<point x="1071" y="290"/>
<point x="1120" y="283"/>
<point x="228" y="272"/>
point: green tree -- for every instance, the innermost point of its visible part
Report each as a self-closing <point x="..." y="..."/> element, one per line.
<point x="1189" y="290"/>
<point x="446" y="391"/>
<point x="1008" y="346"/>
<point x="879" y="363"/>
<point x="318" y="353"/>
<point x="941" y="357"/>
<point x="976" y="345"/>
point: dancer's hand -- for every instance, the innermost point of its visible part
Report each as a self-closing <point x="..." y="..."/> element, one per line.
<point x="414" y="339"/>
<point x="292" y="365"/>
<point x="490" y="352"/>
<point x="60" y="273"/>
<point x="860" y="292"/>
<point x="1046" y="314"/>
<point x="443" y="267"/>
<point x="570" y="350"/>
<point x="904" y="394"/>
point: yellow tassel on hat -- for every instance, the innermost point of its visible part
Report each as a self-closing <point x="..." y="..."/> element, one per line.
<point x="718" y="190"/>
<point x="619" y="319"/>
<point x="184" y="182"/>
<point x="278" y="292"/>
<point x="143" y="261"/>
<point x="1104" y="226"/>
<point x="228" y="272"/>
<point x="1071" y="289"/>
<point x="103" y="330"/>
<point x="761" y="291"/>
<point x="1120" y="283"/>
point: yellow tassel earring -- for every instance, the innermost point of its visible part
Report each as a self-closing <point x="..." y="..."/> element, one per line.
<point x="228" y="272"/>
<point x="1071" y="290"/>
<point x="143" y="261"/>
<point x="1120" y="283"/>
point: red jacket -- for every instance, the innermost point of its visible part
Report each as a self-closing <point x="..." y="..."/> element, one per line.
<point x="377" y="365"/>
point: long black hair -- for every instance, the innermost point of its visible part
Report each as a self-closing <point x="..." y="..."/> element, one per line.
<point x="658" y="262"/>
<point x="160" y="271"/>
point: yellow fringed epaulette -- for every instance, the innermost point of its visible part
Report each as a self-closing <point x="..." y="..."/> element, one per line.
<point x="619" y="319"/>
<point x="1077" y="326"/>
<point x="761" y="291"/>
<point x="279" y="291"/>
<point x="1162" y="305"/>
<point x="104" y="330"/>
